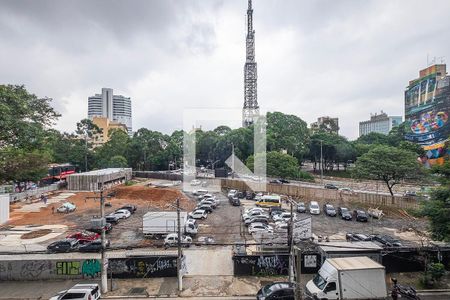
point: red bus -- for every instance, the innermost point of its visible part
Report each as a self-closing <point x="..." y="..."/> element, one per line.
<point x="58" y="172"/>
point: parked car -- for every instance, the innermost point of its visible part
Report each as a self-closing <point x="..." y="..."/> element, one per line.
<point x="387" y="240"/>
<point x="231" y="193"/>
<point x="112" y="219"/>
<point x="66" y="207"/>
<point x="301" y="208"/>
<point x="275" y="212"/>
<point x="171" y="240"/>
<point x="314" y="208"/>
<point x="199" y="192"/>
<point x="65" y="245"/>
<point x="253" y="213"/>
<point x="331" y="186"/>
<point x="94" y="246"/>
<point x="346" y="190"/>
<point x="249" y="195"/>
<point x="195" y="182"/>
<point x="253" y="208"/>
<point x="122" y="213"/>
<point x="360" y="215"/>
<point x="345" y="213"/>
<point x="198" y="214"/>
<point x="108" y="228"/>
<point x="259" y="227"/>
<point x="208" y="202"/>
<point x="275" y="181"/>
<point x="284" y="216"/>
<point x="410" y="194"/>
<point x="282" y="180"/>
<point x="257" y="219"/>
<point x="281" y="225"/>
<point x="277" y="290"/>
<point x="89" y="291"/>
<point x="235" y="201"/>
<point x="329" y="210"/>
<point x="130" y="207"/>
<point x="84" y="236"/>
<point x="206" y="207"/>
<point x="357" y="237"/>
<point x="258" y="196"/>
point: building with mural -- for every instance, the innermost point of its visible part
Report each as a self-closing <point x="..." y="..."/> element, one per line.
<point x="427" y="105"/>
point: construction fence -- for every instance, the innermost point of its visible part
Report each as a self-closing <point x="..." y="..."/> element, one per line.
<point x="306" y="193"/>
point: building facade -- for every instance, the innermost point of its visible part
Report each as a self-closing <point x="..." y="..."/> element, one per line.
<point x="381" y="123"/>
<point x="326" y="123"/>
<point x="106" y="126"/>
<point x="427" y="106"/>
<point x="116" y="108"/>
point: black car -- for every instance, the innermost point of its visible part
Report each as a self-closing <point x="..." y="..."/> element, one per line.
<point x="329" y="210"/>
<point x="240" y="195"/>
<point x="357" y="237"/>
<point x="277" y="290"/>
<point x="282" y="180"/>
<point x="249" y="195"/>
<point x="331" y="186"/>
<point x="274" y="210"/>
<point x="345" y="213"/>
<point x="112" y="219"/>
<point x="65" y="245"/>
<point x="301" y="208"/>
<point x="94" y="246"/>
<point x="108" y="228"/>
<point x="360" y="215"/>
<point x="130" y="207"/>
<point x="275" y="181"/>
<point x="235" y="201"/>
<point x="387" y="240"/>
<point x="206" y="207"/>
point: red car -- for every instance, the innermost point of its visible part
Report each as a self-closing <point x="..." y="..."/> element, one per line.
<point x="84" y="236"/>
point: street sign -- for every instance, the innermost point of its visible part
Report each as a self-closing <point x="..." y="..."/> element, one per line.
<point x="302" y="229"/>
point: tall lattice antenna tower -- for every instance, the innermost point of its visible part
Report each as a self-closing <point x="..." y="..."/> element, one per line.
<point x="251" y="107"/>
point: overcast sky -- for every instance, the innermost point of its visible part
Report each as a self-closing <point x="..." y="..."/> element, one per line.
<point x="344" y="59"/>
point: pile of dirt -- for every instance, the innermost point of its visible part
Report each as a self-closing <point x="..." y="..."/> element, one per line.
<point x="35" y="234"/>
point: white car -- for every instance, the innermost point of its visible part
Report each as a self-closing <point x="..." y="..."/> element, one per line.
<point x="198" y="214"/>
<point x="171" y="240"/>
<point x="200" y="192"/>
<point x="259" y="227"/>
<point x="122" y="213"/>
<point x="255" y="212"/>
<point x="213" y="198"/>
<point x="258" y="196"/>
<point x="212" y="203"/>
<point x="231" y="193"/>
<point x="284" y="216"/>
<point x="88" y="291"/>
<point x="253" y="209"/>
<point x="195" y="182"/>
<point x="281" y="225"/>
<point x="314" y="208"/>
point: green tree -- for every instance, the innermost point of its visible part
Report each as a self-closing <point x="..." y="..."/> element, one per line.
<point x="280" y="165"/>
<point x="287" y="132"/>
<point x="116" y="146"/>
<point x="117" y="161"/>
<point x="147" y="150"/>
<point x="88" y="131"/>
<point x="374" y="138"/>
<point x="20" y="165"/>
<point x="437" y="209"/>
<point x="388" y="164"/>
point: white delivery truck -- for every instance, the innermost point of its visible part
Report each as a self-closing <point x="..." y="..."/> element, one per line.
<point x="348" y="278"/>
<point x="158" y="224"/>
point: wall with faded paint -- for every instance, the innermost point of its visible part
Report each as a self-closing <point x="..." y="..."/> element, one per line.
<point x="135" y="267"/>
<point x="4" y="208"/>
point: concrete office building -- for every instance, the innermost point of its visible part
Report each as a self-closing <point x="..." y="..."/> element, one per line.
<point x="326" y="123"/>
<point x="381" y="123"/>
<point x="116" y="108"/>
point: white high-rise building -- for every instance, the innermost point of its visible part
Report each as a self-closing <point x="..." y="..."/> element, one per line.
<point x="381" y="123"/>
<point x="114" y="107"/>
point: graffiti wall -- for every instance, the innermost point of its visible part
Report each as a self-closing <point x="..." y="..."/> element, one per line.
<point x="427" y="107"/>
<point x="145" y="267"/>
<point x="272" y="265"/>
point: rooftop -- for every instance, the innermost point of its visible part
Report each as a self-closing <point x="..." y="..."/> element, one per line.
<point x="354" y="263"/>
<point x="102" y="172"/>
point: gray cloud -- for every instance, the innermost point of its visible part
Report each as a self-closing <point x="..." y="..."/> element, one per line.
<point x="338" y="58"/>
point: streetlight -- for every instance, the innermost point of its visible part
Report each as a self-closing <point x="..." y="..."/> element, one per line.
<point x="321" y="162"/>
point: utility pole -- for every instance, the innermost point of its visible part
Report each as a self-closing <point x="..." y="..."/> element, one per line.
<point x="298" y="272"/>
<point x="290" y="233"/>
<point x="321" y="163"/>
<point x="180" y="279"/>
<point x="104" y="272"/>
<point x="85" y="153"/>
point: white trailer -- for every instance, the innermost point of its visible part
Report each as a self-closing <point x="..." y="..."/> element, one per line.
<point x="158" y="224"/>
<point x="349" y="278"/>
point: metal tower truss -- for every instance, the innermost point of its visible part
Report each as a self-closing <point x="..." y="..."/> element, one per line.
<point x="251" y="107"/>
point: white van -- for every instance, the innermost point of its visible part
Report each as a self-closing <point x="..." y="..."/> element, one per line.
<point x="269" y="201"/>
<point x="314" y="208"/>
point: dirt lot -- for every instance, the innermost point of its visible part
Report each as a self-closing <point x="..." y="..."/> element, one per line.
<point x="128" y="232"/>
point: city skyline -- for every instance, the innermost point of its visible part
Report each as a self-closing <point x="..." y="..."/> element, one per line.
<point x="348" y="60"/>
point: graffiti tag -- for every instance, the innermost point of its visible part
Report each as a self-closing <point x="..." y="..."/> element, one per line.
<point x="91" y="268"/>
